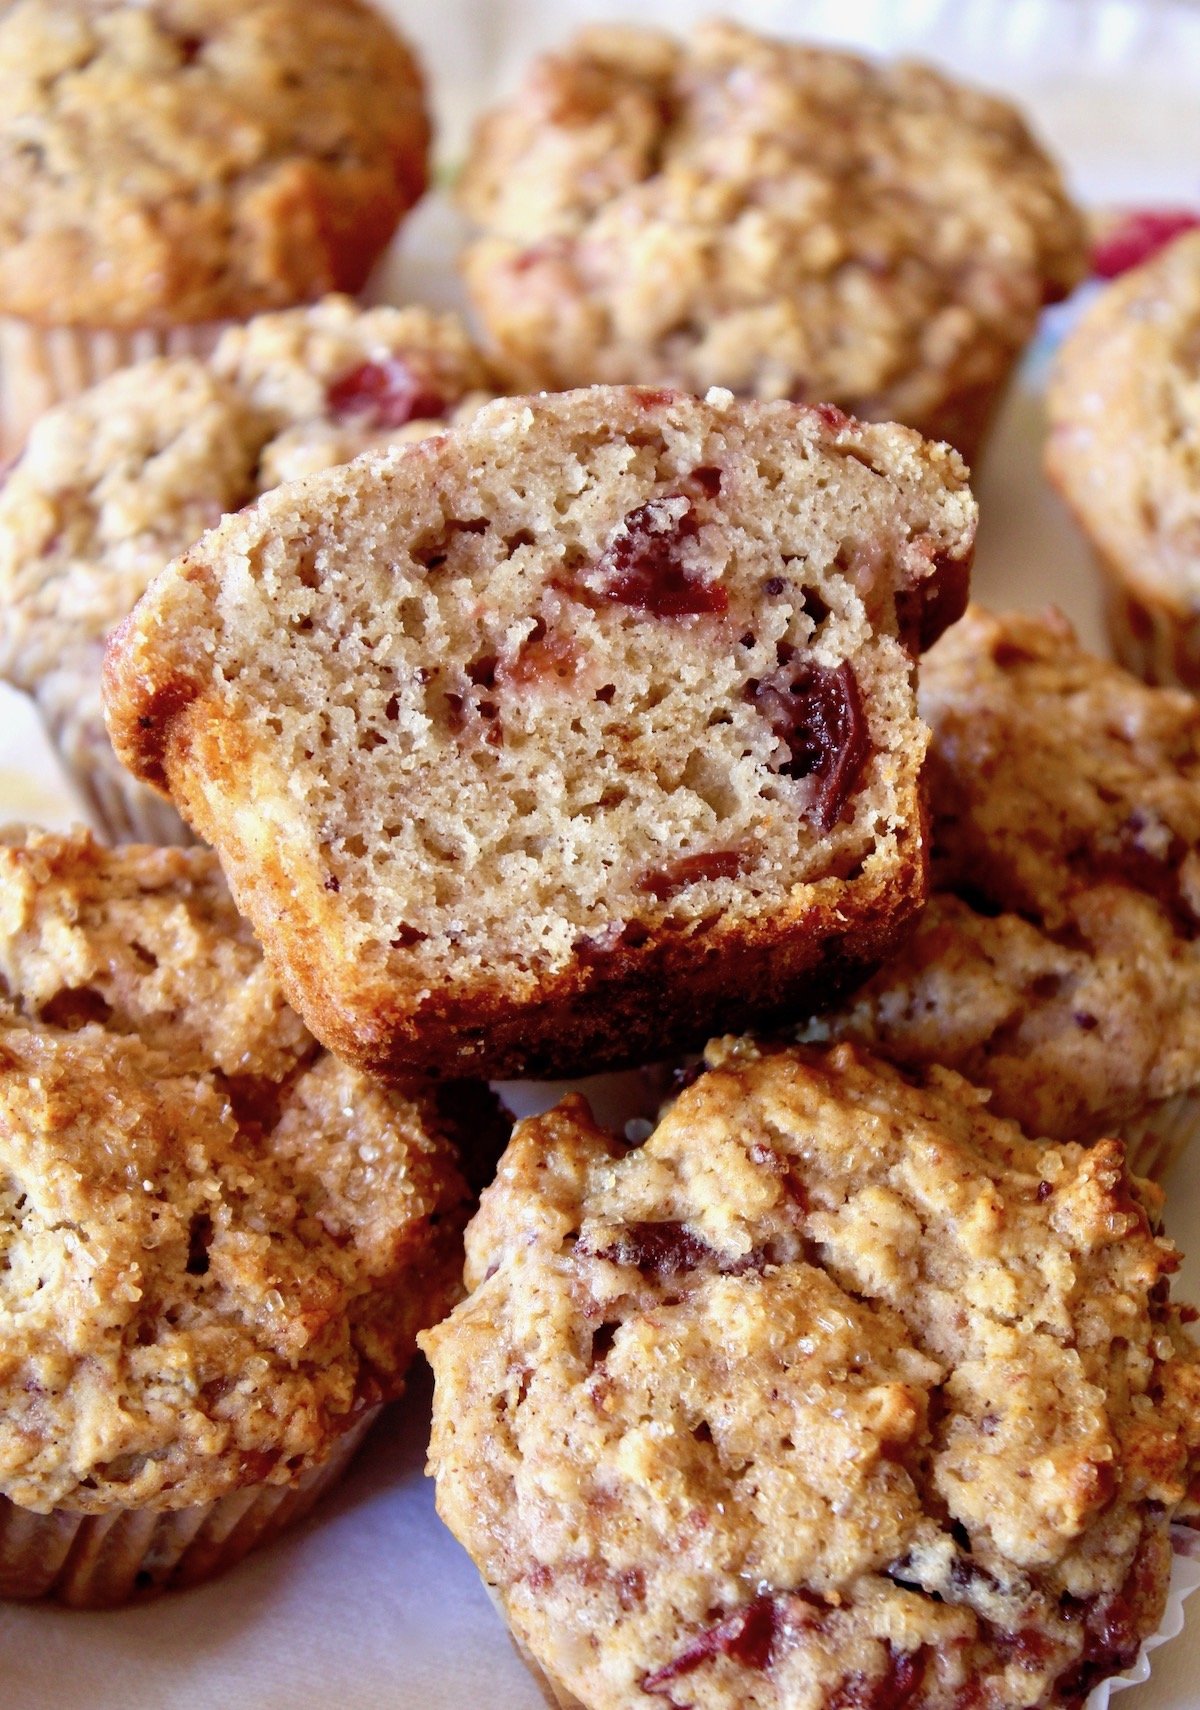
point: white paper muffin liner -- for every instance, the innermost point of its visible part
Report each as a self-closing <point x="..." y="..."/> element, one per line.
<point x="42" y="366"/>
<point x="99" y="1561"/>
<point x="1185" y="1577"/>
<point x="122" y="809"/>
<point x="1159" y="1135"/>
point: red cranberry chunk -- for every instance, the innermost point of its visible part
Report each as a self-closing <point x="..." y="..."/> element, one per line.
<point x="1138" y="236"/>
<point x="384" y="395"/>
<point x="894" y="1689"/>
<point x="692" y="870"/>
<point x="817" y="712"/>
<point x="745" y="1637"/>
<point x="664" y="1248"/>
<point x="642" y="565"/>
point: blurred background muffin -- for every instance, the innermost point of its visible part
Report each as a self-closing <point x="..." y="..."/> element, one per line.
<point x="783" y="220"/>
<point x="1124" y="451"/>
<point x="168" y="167"/>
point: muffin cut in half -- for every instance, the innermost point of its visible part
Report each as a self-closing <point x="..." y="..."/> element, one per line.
<point x="547" y="743"/>
<point x="217" y="1243"/>
<point x="1058" y="961"/>
<point x="837" y="1394"/>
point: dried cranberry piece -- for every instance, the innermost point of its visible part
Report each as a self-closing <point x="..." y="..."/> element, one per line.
<point x="818" y="712"/>
<point x="1139" y="235"/>
<point x="745" y="1637"/>
<point x="692" y="870"/>
<point x="642" y="566"/>
<point x="544" y="656"/>
<point x="384" y="395"/>
<point x="73" y="1007"/>
<point x="894" y="1689"/>
<point x="664" y="1248"/>
<point x="1113" y="1626"/>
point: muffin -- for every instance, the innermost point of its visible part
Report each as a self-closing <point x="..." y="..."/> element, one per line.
<point x="1124" y="452"/>
<point x="117" y="481"/>
<point x="837" y="1392"/>
<point x="602" y="696"/>
<point x="218" y="1242"/>
<point x="783" y="220"/>
<point x="170" y="166"/>
<point x="1058" y="961"/>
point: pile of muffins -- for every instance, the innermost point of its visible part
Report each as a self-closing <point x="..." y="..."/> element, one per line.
<point x="544" y="699"/>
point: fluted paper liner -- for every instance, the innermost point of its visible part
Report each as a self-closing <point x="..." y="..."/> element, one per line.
<point x="97" y="1561"/>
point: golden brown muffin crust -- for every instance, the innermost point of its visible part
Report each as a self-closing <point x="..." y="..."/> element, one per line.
<point x="218" y="1242"/>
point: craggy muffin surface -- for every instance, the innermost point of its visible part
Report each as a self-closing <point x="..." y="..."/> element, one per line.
<point x="219" y="1243"/>
<point x="838" y="1390"/>
<point x="780" y="219"/>
<point x="1058" y="962"/>
<point x="191" y="160"/>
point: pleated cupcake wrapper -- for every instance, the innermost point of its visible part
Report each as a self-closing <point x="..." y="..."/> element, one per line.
<point x="97" y="1561"/>
<point x="124" y="810"/>
<point x="43" y="366"/>
<point x="1157" y="639"/>
<point x="1185" y="1578"/>
<point x="1155" y="1139"/>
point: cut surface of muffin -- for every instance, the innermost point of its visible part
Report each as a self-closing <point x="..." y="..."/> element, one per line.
<point x="116" y="482"/>
<point x="1058" y="961"/>
<point x="781" y="219"/>
<point x="1124" y="450"/>
<point x="837" y="1391"/>
<point x="219" y="1242"/>
<point x="600" y="697"/>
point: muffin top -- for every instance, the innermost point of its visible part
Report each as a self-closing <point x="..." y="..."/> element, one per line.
<point x="188" y="160"/>
<point x="218" y="1242"/>
<point x="114" y="483"/>
<point x="780" y="219"/>
<point x="837" y="1391"/>
<point x="1124" y="404"/>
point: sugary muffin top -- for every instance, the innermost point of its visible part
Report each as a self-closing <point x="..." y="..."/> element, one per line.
<point x="1058" y="962"/>
<point x="216" y="1242"/>
<point x="836" y="1391"/>
<point x="186" y="160"/>
<point x="776" y="218"/>
<point x="1124" y="406"/>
